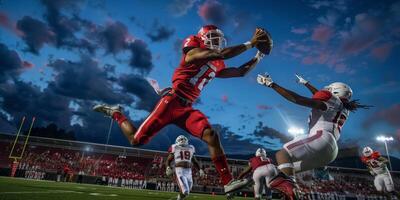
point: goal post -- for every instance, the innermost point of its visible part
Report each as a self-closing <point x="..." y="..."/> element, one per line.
<point x="12" y="155"/>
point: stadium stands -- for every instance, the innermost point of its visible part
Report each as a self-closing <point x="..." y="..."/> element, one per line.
<point x="129" y="167"/>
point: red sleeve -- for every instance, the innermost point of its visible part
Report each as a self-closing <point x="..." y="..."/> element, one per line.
<point x="376" y="155"/>
<point x="190" y="43"/>
<point x="170" y="149"/>
<point x="322" y="95"/>
<point x="363" y="159"/>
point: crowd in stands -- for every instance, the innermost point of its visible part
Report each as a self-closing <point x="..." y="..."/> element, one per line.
<point x="135" y="172"/>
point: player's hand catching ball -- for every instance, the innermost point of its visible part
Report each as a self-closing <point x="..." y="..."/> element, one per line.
<point x="168" y="171"/>
<point x="202" y="174"/>
<point x="265" y="80"/>
<point x="300" y="79"/>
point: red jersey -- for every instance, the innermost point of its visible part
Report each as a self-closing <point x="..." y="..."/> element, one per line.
<point x="189" y="79"/>
<point x="259" y="161"/>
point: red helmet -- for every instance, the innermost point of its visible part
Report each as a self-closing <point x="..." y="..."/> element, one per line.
<point x="212" y="37"/>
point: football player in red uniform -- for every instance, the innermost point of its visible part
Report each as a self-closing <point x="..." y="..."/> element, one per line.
<point x="203" y="58"/>
<point x="377" y="167"/>
<point x="263" y="171"/>
<point x="330" y="109"/>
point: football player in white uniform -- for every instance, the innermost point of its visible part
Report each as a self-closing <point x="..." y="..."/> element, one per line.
<point x="330" y="109"/>
<point x="377" y="167"/>
<point x="263" y="171"/>
<point x="183" y="155"/>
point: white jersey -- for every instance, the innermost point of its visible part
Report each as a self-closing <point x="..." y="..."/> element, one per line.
<point x="330" y="120"/>
<point x="377" y="166"/>
<point x="182" y="153"/>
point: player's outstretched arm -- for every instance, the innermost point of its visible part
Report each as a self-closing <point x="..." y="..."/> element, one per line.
<point x="303" y="81"/>
<point x="266" y="80"/>
<point x="245" y="172"/>
<point x="201" y="54"/>
<point x="244" y="69"/>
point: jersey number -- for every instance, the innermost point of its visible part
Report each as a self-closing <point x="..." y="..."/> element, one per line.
<point x="203" y="80"/>
<point x="340" y="119"/>
<point x="374" y="163"/>
<point x="185" y="155"/>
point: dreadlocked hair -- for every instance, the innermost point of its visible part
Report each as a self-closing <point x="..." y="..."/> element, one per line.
<point x="354" y="105"/>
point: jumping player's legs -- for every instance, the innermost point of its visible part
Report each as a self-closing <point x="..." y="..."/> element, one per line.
<point x="196" y="123"/>
<point x="157" y="119"/>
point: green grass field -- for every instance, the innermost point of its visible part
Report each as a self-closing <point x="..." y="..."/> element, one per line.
<point x="21" y="189"/>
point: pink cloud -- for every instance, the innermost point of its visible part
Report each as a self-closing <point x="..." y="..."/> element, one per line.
<point x="382" y="51"/>
<point x="225" y="98"/>
<point x="308" y="60"/>
<point x="264" y="107"/>
<point x="322" y="34"/>
<point x="299" y="30"/>
<point x="8" y="24"/>
<point x="212" y="11"/>
<point x="27" y="64"/>
<point x="365" y="32"/>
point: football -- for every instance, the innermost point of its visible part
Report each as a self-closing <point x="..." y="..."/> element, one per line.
<point x="266" y="46"/>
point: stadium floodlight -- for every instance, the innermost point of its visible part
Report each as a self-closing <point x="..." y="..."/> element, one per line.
<point x="87" y="148"/>
<point x="385" y="139"/>
<point x="296" y="131"/>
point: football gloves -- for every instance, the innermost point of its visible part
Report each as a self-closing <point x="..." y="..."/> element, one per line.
<point x="168" y="171"/>
<point x="265" y="80"/>
<point x="300" y="79"/>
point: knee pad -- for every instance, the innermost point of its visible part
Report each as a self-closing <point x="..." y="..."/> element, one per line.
<point x="285" y="165"/>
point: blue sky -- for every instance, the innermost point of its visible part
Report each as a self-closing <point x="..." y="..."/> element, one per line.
<point x="82" y="52"/>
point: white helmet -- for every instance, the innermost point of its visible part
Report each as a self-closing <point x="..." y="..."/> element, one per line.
<point x="367" y="151"/>
<point x="181" y="141"/>
<point x="341" y="90"/>
<point x="261" y="152"/>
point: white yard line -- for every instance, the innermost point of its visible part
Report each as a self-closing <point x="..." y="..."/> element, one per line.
<point x="42" y="192"/>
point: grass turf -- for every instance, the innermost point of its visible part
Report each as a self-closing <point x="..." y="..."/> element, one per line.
<point x="18" y="189"/>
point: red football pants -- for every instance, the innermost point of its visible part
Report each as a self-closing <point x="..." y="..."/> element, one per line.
<point x="171" y="110"/>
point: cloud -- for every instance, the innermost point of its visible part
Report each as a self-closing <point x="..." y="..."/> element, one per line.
<point x="64" y="27"/>
<point x="139" y="87"/>
<point x="264" y="107"/>
<point x="180" y="7"/>
<point x="299" y="30"/>
<point x="35" y="33"/>
<point x="8" y="24"/>
<point x="141" y="58"/>
<point x="224" y="98"/>
<point x="365" y="31"/>
<point x="265" y="131"/>
<point x="23" y="99"/>
<point x="213" y="11"/>
<point x="10" y="63"/>
<point x="389" y="115"/>
<point x="322" y="34"/>
<point x="382" y="51"/>
<point x="85" y="80"/>
<point x="159" y="32"/>
<point x="114" y="37"/>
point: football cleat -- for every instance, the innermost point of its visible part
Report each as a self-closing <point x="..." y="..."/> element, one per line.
<point x="235" y="185"/>
<point x="107" y="109"/>
<point x="230" y="196"/>
<point x="286" y="186"/>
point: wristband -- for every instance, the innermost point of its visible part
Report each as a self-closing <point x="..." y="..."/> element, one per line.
<point x="248" y="45"/>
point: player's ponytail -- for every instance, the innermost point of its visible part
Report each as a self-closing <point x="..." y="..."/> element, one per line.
<point x="354" y="105"/>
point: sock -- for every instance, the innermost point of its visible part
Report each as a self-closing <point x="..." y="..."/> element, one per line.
<point x="119" y="117"/>
<point x="221" y="165"/>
